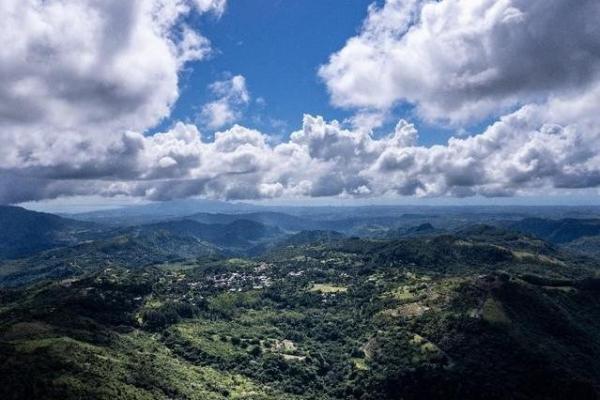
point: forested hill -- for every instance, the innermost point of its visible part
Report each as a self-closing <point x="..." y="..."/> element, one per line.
<point x="486" y="314"/>
<point x="23" y="232"/>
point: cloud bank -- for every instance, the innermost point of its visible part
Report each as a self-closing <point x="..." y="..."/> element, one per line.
<point x="460" y="60"/>
<point x="76" y="99"/>
<point x="553" y="145"/>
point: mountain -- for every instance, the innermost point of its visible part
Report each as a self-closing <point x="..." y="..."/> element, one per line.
<point x="161" y="211"/>
<point x="240" y="233"/>
<point x="131" y="247"/>
<point x="235" y="308"/>
<point x="458" y="253"/>
<point x="340" y="222"/>
<point x="425" y="229"/>
<point x="281" y="220"/>
<point x="24" y="232"/>
<point x="587" y="245"/>
<point x="308" y="237"/>
<point x="558" y="231"/>
<point x="448" y="317"/>
<point x="133" y="250"/>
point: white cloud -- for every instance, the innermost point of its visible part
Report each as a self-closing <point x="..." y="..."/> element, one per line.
<point x="231" y="96"/>
<point x="536" y="148"/>
<point x="76" y="76"/>
<point x="89" y="65"/>
<point x="215" y="6"/>
<point x="460" y="60"/>
<point x="551" y="145"/>
<point x="367" y="120"/>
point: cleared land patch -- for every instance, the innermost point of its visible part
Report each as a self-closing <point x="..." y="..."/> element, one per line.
<point x="328" y="288"/>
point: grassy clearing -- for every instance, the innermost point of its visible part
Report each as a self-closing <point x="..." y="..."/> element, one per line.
<point x="360" y="364"/>
<point x="207" y="341"/>
<point x="226" y="340"/>
<point x="153" y="303"/>
<point x="178" y="266"/>
<point x="493" y="312"/>
<point x="539" y="258"/>
<point x="427" y="349"/>
<point x="324" y="288"/>
<point x="402" y="293"/>
<point x="410" y="310"/>
<point x="240" y="262"/>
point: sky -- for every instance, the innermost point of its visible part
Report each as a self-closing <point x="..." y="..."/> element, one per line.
<point x="271" y="45"/>
<point x="392" y="101"/>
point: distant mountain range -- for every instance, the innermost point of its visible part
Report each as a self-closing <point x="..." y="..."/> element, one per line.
<point x="45" y="245"/>
<point x="283" y="221"/>
<point x="345" y="217"/>
<point x="237" y="234"/>
<point x="558" y="231"/>
<point x="23" y="232"/>
<point x="161" y="211"/>
<point x="309" y="237"/>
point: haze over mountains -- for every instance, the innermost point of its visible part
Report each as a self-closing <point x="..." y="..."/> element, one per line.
<point x="47" y="245"/>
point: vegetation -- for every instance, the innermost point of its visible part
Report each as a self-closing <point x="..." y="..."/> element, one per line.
<point x="24" y="232"/>
<point x="482" y="312"/>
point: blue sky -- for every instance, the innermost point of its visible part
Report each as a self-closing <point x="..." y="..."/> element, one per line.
<point x="278" y="46"/>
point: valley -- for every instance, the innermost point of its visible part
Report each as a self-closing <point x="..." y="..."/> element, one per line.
<point x="231" y="307"/>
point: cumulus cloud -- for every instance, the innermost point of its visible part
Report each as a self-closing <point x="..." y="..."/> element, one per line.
<point x="552" y="145"/>
<point x="77" y="77"/>
<point x="460" y="60"/>
<point x="231" y="96"/>
<point x="108" y="65"/>
<point x="538" y="146"/>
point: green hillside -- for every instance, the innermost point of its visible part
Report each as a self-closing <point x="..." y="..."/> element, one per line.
<point x="24" y="232"/>
<point x="131" y="250"/>
<point x="475" y="316"/>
